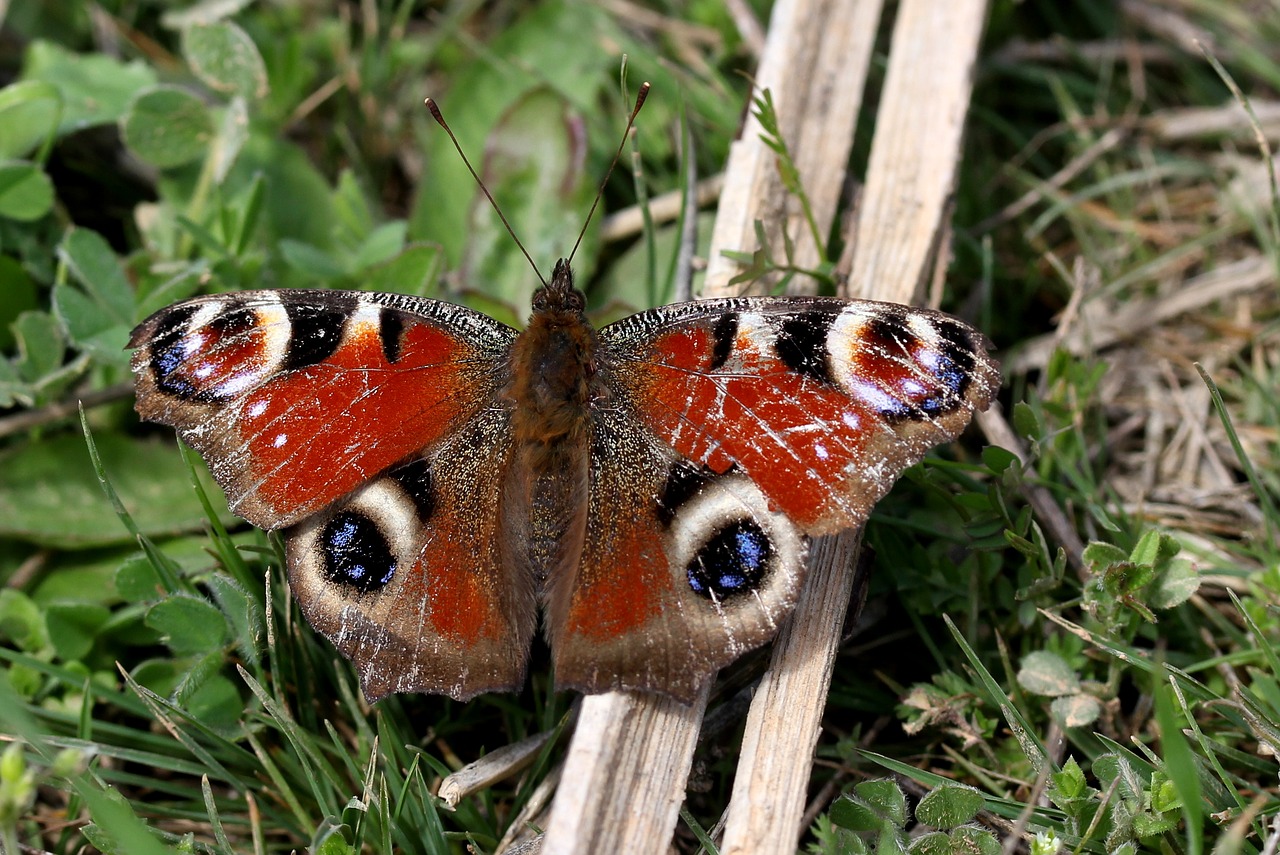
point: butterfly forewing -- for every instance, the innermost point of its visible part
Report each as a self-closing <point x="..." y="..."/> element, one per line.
<point x="298" y="397"/>
<point x="821" y="402"/>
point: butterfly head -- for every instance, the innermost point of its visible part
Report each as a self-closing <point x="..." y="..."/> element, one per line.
<point x="559" y="295"/>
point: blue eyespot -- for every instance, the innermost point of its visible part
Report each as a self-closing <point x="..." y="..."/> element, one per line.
<point x="733" y="562"/>
<point x="356" y="553"/>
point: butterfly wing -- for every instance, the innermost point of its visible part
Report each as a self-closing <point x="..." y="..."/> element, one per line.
<point x="821" y="402"/>
<point x="682" y="569"/>
<point x="735" y="428"/>
<point x="366" y="425"/>
<point x="408" y="576"/>
<point x="295" y="398"/>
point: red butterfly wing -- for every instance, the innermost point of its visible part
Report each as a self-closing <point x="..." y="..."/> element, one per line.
<point x="298" y="397"/>
<point x="371" y="426"/>
<point x="821" y="402"/>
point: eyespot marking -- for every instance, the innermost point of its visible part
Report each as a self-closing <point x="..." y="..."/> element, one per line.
<point x="356" y="554"/>
<point x="735" y="561"/>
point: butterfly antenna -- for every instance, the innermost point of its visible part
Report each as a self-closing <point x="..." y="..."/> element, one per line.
<point x="439" y="117"/>
<point x="640" y="96"/>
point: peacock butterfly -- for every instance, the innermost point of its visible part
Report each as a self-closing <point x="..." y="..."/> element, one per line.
<point x="439" y="478"/>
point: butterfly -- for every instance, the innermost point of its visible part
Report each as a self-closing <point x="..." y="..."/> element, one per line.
<point x="649" y="488"/>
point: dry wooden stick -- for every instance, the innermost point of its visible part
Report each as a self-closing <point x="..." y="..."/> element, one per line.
<point x="912" y="171"/>
<point x="624" y="778"/>
<point x="814" y="66"/>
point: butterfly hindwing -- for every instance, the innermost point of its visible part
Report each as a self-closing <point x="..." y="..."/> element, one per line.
<point x="682" y="569"/>
<point x="821" y="402"/>
<point x="408" y="578"/>
<point x="295" y="398"/>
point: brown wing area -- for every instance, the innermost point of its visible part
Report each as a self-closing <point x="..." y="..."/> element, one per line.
<point x="822" y="402"/>
<point x="682" y="570"/>
<point x="407" y="576"/>
<point x="295" y="398"/>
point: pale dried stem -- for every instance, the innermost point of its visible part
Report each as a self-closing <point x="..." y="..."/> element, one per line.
<point x="624" y="778"/>
<point x="910" y="178"/>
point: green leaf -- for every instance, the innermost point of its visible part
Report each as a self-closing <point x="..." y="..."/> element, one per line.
<point x="188" y="624"/>
<point x="74" y="626"/>
<point x="1154" y="547"/>
<point x="13" y="389"/>
<point x="534" y="166"/>
<point x="971" y="840"/>
<point x="1070" y="783"/>
<point x="931" y="843"/>
<point x="95" y="88"/>
<point x="1150" y="825"/>
<point x="137" y="581"/>
<point x="243" y="613"/>
<point x="886" y="797"/>
<point x="19" y="292"/>
<point x="1046" y="673"/>
<point x="416" y="270"/>
<point x="333" y="843"/>
<point x="872" y="807"/>
<point x="216" y="704"/>
<point x="40" y="345"/>
<point x="49" y="494"/>
<point x="1026" y="421"/>
<point x="382" y="244"/>
<point x="168" y="126"/>
<point x="855" y="815"/>
<point x="950" y="806"/>
<point x="99" y="314"/>
<point x="1076" y="710"/>
<point x="26" y="193"/>
<point x="29" y="115"/>
<point x="351" y="207"/>
<point x="310" y="260"/>
<point x="445" y="205"/>
<point x="299" y="205"/>
<point x="224" y="57"/>
<point x="1179" y="763"/>
<point x="22" y="621"/>
<point x="1176" y="580"/>
<point x="998" y="459"/>
<point x="1163" y="795"/>
<point x="233" y="134"/>
<point x="116" y="829"/>
<point x="1098" y="555"/>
